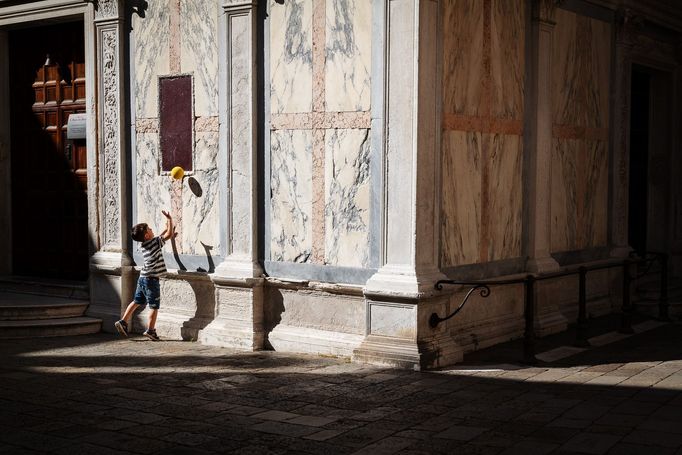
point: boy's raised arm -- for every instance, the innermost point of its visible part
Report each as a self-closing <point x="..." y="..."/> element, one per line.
<point x="168" y="232"/>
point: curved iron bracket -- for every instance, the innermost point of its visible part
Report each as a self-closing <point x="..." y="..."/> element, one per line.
<point x="434" y="320"/>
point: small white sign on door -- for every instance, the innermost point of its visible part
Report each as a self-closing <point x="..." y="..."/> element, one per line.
<point x="76" y="127"/>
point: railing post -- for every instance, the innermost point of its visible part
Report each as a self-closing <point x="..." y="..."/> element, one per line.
<point x="581" y="327"/>
<point x="529" y="316"/>
<point x="626" y="309"/>
<point x="663" y="298"/>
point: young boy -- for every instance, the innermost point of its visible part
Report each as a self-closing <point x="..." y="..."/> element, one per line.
<point x="148" y="290"/>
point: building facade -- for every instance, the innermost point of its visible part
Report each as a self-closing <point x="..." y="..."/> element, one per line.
<point x="341" y="157"/>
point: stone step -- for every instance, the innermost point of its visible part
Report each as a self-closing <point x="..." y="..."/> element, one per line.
<point x="40" y="286"/>
<point x="15" y="306"/>
<point x="49" y="327"/>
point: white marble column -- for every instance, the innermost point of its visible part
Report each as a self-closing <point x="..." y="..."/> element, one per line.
<point x="5" y="164"/>
<point x="411" y="153"/>
<point x="112" y="280"/>
<point x="676" y="170"/>
<point x="626" y="26"/>
<point x="238" y="279"/>
<point x="400" y="294"/>
<point x="540" y="140"/>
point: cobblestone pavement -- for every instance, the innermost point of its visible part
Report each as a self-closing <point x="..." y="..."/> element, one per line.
<point x="101" y="394"/>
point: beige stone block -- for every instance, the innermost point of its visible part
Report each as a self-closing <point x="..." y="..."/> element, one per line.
<point x="461" y="202"/>
<point x="463" y="57"/>
<point x="507" y="59"/>
<point x="505" y="197"/>
<point x="563" y="195"/>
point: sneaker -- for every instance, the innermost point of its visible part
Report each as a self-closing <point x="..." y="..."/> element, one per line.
<point x="151" y="334"/>
<point x="122" y="327"/>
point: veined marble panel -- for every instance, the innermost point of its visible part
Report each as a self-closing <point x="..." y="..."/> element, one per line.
<point x="150" y="51"/>
<point x="291" y="50"/>
<point x="563" y="202"/>
<point x="291" y="195"/>
<point x="598" y="74"/>
<point x="505" y="197"/>
<point x="462" y="56"/>
<point x="200" y="208"/>
<point x="153" y="191"/>
<point x="199" y="52"/>
<point x="567" y="74"/>
<point x="461" y="203"/>
<point x="348" y="55"/>
<point x="347" y="197"/>
<point x="206" y="150"/>
<point x="595" y="195"/>
<point x="581" y="59"/>
<point x="507" y="58"/>
<point x="200" y="215"/>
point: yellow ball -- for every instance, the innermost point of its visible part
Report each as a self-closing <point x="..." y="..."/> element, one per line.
<point x="177" y="173"/>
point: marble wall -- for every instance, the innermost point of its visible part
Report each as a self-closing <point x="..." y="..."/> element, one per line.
<point x="581" y="56"/>
<point x="320" y="62"/>
<point x="291" y="195"/>
<point x="482" y="146"/>
<point x="178" y="38"/>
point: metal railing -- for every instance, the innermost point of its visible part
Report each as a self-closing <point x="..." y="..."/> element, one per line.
<point x="581" y="324"/>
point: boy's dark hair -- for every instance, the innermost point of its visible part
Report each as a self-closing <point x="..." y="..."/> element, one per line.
<point x="138" y="232"/>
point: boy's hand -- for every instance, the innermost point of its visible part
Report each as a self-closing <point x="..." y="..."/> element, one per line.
<point x="170" y="229"/>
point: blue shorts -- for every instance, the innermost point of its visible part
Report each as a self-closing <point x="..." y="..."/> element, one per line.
<point x="148" y="292"/>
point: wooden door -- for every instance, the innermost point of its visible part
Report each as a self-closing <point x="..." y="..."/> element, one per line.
<point x="49" y="177"/>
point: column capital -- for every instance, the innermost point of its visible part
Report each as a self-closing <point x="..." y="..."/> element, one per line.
<point x="628" y="26"/>
<point x="545" y="10"/>
<point x="107" y="9"/>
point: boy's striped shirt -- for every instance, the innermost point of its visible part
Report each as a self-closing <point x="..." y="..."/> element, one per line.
<point x="154" y="265"/>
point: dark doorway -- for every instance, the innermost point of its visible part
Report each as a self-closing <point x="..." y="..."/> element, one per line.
<point x="49" y="177"/>
<point x="639" y="159"/>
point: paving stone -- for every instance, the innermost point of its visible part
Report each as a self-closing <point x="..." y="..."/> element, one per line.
<point x="283" y="428"/>
<point x="124" y="441"/>
<point x="636" y="449"/>
<point x="188" y="439"/>
<point x="278" y="416"/>
<point x="654" y="438"/>
<point x="359" y="437"/>
<point x="530" y="447"/>
<point x="324" y="435"/>
<point x="386" y="446"/>
<point x="88" y="449"/>
<point x="33" y="441"/>
<point x="590" y="443"/>
<point x="311" y="421"/>
<point x="461" y="432"/>
<point x="570" y="423"/>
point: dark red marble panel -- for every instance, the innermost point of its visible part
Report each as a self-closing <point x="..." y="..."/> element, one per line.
<point x="175" y="122"/>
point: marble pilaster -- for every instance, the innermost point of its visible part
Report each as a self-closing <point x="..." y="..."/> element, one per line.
<point x="238" y="279"/>
<point x="111" y="266"/>
<point x="626" y="26"/>
<point x="400" y="294"/>
<point x="539" y="158"/>
<point x="5" y="196"/>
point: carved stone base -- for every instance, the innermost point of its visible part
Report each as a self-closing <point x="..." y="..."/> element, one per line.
<point x="238" y="319"/>
<point x="399" y="334"/>
<point x="112" y="285"/>
<point x="408" y="354"/>
<point x="404" y="281"/>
